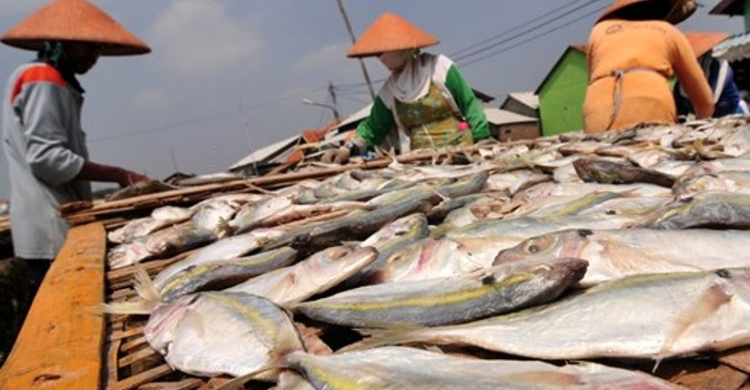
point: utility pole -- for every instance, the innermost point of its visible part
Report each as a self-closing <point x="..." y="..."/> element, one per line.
<point x="174" y="159"/>
<point x="246" y="124"/>
<point x="361" y="61"/>
<point x="332" y="92"/>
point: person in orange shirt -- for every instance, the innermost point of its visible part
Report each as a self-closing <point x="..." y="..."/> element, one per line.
<point x="634" y="50"/>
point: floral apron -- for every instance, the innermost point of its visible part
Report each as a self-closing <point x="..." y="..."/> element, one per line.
<point x="431" y="123"/>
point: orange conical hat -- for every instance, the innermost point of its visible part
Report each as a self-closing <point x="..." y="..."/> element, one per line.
<point x="703" y="42"/>
<point x="74" y="20"/>
<point x="388" y="33"/>
<point x="681" y="9"/>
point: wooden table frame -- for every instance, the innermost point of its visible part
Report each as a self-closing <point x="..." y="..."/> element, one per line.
<point x="60" y="344"/>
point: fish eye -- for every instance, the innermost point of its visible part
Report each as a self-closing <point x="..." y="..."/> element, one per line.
<point x="723" y="273"/>
<point x="533" y="248"/>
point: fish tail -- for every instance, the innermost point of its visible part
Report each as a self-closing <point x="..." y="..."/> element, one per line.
<point x="238" y="382"/>
<point x="278" y="361"/>
<point x="146" y="290"/>
<point x="224" y="228"/>
<point x="144" y="286"/>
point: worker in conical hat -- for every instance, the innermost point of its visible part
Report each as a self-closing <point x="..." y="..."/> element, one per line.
<point x="634" y="50"/>
<point x="719" y="74"/>
<point x="424" y="103"/>
<point x="45" y="145"/>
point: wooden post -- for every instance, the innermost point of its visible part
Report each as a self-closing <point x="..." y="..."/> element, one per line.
<point x="60" y="344"/>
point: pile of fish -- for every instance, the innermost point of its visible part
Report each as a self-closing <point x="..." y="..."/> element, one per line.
<point x="624" y="245"/>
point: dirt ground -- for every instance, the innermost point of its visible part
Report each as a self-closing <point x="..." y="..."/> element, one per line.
<point x="15" y="299"/>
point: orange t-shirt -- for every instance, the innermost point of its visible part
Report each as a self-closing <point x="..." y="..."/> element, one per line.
<point x="648" y="53"/>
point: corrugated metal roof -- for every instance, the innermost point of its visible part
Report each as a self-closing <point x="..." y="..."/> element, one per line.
<point x="530" y="99"/>
<point x="733" y="49"/>
<point x="497" y="116"/>
<point x="728" y="7"/>
<point x="356" y="117"/>
<point x="267" y="152"/>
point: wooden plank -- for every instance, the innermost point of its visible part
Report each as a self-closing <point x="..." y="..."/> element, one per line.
<point x="142" y="378"/>
<point x="60" y="344"/>
<point x="141" y="354"/>
<point x="196" y="193"/>
<point x="123" y="334"/>
<point x="112" y="353"/>
<point x="695" y="374"/>
<point x="738" y="358"/>
<point x="133" y="344"/>
<point x="187" y="384"/>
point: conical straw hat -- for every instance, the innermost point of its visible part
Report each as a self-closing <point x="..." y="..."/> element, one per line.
<point x="74" y="20"/>
<point x="681" y="9"/>
<point x="703" y="42"/>
<point x="389" y="33"/>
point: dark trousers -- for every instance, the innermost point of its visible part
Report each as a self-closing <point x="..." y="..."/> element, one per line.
<point x="38" y="269"/>
<point x="19" y="281"/>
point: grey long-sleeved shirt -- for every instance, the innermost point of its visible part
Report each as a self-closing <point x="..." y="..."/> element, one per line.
<point x="46" y="148"/>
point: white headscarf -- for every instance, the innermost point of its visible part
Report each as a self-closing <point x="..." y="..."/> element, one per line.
<point x="413" y="82"/>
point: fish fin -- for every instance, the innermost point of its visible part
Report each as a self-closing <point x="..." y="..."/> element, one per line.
<point x="288" y="340"/>
<point x="144" y="286"/>
<point x="707" y="303"/>
<point x="286" y="343"/>
<point x="656" y="365"/>
<point x="238" y="382"/>
<point x="224" y="229"/>
<point x="131" y="307"/>
<point x="146" y="290"/>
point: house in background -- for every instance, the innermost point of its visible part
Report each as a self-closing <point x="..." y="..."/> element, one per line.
<point x="562" y="92"/>
<point x="506" y="125"/>
<point x="736" y="49"/>
<point x="524" y="103"/>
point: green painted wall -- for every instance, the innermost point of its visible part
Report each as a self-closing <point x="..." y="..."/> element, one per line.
<point x="561" y="96"/>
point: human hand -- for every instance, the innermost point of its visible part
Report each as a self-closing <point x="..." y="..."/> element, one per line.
<point x="336" y="156"/>
<point x="126" y="178"/>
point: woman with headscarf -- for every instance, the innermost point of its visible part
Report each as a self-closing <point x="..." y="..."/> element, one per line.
<point x="634" y="50"/>
<point x="424" y="103"/>
<point x="45" y="145"/>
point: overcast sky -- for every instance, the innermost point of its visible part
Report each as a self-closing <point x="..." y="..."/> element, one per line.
<point x="228" y="76"/>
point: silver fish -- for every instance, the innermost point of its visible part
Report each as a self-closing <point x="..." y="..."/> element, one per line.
<point x="411" y="368"/>
<point x="314" y="275"/>
<point x="654" y="316"/>
<point x="212" y="333"/>
<point x="227" y="248"/>
<point x="452" y="300"/>
<point x="390" y="239"/>
<point x="706" y="209"/>
<point x="614" y="254"/>
<point x="161" y="217"/>
<point x="222" y="274"/>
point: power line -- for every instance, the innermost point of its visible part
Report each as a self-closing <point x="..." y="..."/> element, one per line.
<point x="205" y="119"/>
<point x="525" y="24"/>
<point x="522" y="33"/>
<point x="501" y="34"/>
<point x="547" y="32"/>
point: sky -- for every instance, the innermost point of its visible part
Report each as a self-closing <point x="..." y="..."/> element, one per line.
<point x="229" y="76"/>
